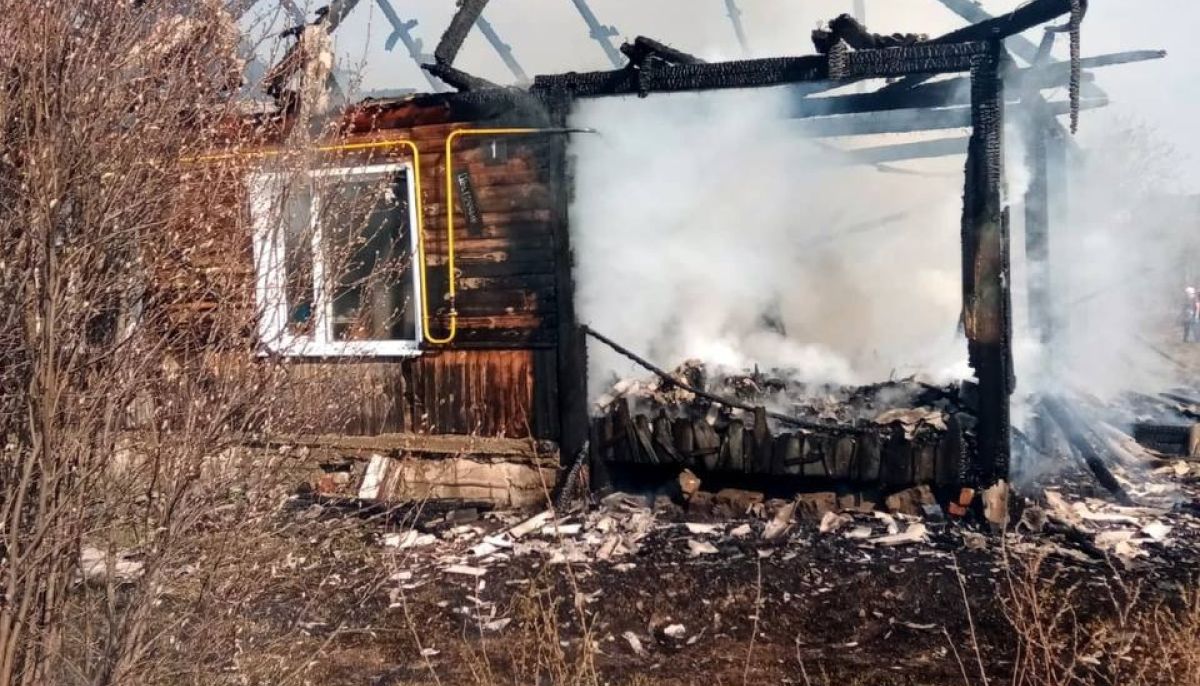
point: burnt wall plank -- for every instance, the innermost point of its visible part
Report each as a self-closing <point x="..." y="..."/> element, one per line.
<point x="483" y="392"/>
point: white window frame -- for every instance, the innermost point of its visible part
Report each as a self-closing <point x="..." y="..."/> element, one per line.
<point x="271" y="276"/>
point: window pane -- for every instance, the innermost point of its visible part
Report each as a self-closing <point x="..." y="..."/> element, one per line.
<point x="297" y="256"/>
<point x="366" y="230"/>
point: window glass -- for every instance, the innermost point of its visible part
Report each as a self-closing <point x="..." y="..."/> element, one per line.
<point x="368" y="261"/>
<point x="298" y="257"/>
<point x="338" y="245"/>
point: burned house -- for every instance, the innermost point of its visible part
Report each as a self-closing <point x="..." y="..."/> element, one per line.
<point x="470" y="352"/>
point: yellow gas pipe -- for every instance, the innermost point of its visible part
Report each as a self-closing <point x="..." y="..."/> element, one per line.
<point x="452" y="277"/>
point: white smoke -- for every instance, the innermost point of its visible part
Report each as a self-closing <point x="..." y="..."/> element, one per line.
<point x="698" y="218"/>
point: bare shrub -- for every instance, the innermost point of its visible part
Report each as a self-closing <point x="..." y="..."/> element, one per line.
<point x="1068" y="633"/>
<point x="128" y="374"/>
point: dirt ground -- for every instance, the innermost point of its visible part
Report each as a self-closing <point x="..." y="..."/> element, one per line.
<point x="373" y="599"/>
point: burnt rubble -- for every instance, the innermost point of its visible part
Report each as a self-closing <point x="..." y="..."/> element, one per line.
<point x="747" y="426"/>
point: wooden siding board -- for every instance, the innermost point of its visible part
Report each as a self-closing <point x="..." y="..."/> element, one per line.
<point x="374" y="392"/>
<point x="485" y="392"/>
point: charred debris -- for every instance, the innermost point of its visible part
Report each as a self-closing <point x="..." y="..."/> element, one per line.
<point x="775" y="433"/>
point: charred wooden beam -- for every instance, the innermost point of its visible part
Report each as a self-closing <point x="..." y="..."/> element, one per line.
<point x="571" y="366"/>
<point x="460" y="25"/>
<point x="985" y="264"/>
<point x="735" y="18"/>
<point x="1019" y="45"/>
<point x="328" y="18"/>
<point x="851" y="31"/>
<point x="763" y="72"/>
<point x="1019" y="20"/>
<point x="700" y="393"/>
<point x="402" y="31"/>
<point x="944" y="147"/>
<point x="949" y="92"/>
<point x="458" y="79"/>
<point x="907" y="121"/>
<point x="238" y="8"/>
<point x="332" y="15"/>
<point x="644" y="49"/>
<point x="973" y="13"/>
<point x="599" y="32"/>
<point x="766" y="72"/>
<point x="1087" y="443"/>
<point x="1056" y="72"/>
<point x="504" y="50"/>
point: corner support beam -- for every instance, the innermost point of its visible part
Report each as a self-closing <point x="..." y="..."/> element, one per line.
<point x="987" y="302"/>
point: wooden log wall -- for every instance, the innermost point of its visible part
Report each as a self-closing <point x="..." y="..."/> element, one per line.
<point x="500" y="375"/>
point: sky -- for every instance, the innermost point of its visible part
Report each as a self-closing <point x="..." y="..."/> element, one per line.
<point x="549" y="36"/>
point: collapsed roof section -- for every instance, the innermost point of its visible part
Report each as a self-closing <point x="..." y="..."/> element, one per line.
<point x="846" y="53"/>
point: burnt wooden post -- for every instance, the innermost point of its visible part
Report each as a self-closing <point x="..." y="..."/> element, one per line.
<point x="572" y="343"/>
<point x="986" y="296"/>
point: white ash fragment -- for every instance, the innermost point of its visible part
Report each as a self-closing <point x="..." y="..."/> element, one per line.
<point x="832" y="522"/>
<point x="741" y="531"/>
<point x="892" y="527"/>
<point x="1085" y="513"/>
<point x="409" y="539"/>
<point x="561" y="530"/>
<point x="496" y="624"/>
<point x="781" y="523"/>
<point x="1061" y="510"/>
<point x="1109" y="540"/>
<point x="611" y="547"/>
<point x="974" y="541"/>
<point x="532" y="524"/>
<point x="675" y="631"/>
<point x="915" y="533"/>
<point x="859" y="533"/>
<point x="634" y="642"/>
<point x="1157" y="530"/>
<point x="484" y="549"/>
<point x="697" y="548"/>
<point x="913" y="419"/>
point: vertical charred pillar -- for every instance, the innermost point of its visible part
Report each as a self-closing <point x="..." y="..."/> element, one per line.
<point x="986" y="296"/>
<point x="572" y="345"/>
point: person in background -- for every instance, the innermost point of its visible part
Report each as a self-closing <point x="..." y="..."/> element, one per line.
<point x="1190" y="314"/>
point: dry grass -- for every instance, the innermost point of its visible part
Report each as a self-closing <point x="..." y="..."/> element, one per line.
<point x="1126" y="637"/>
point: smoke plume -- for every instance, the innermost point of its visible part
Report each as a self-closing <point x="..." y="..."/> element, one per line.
<point x="705" y="226"/>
